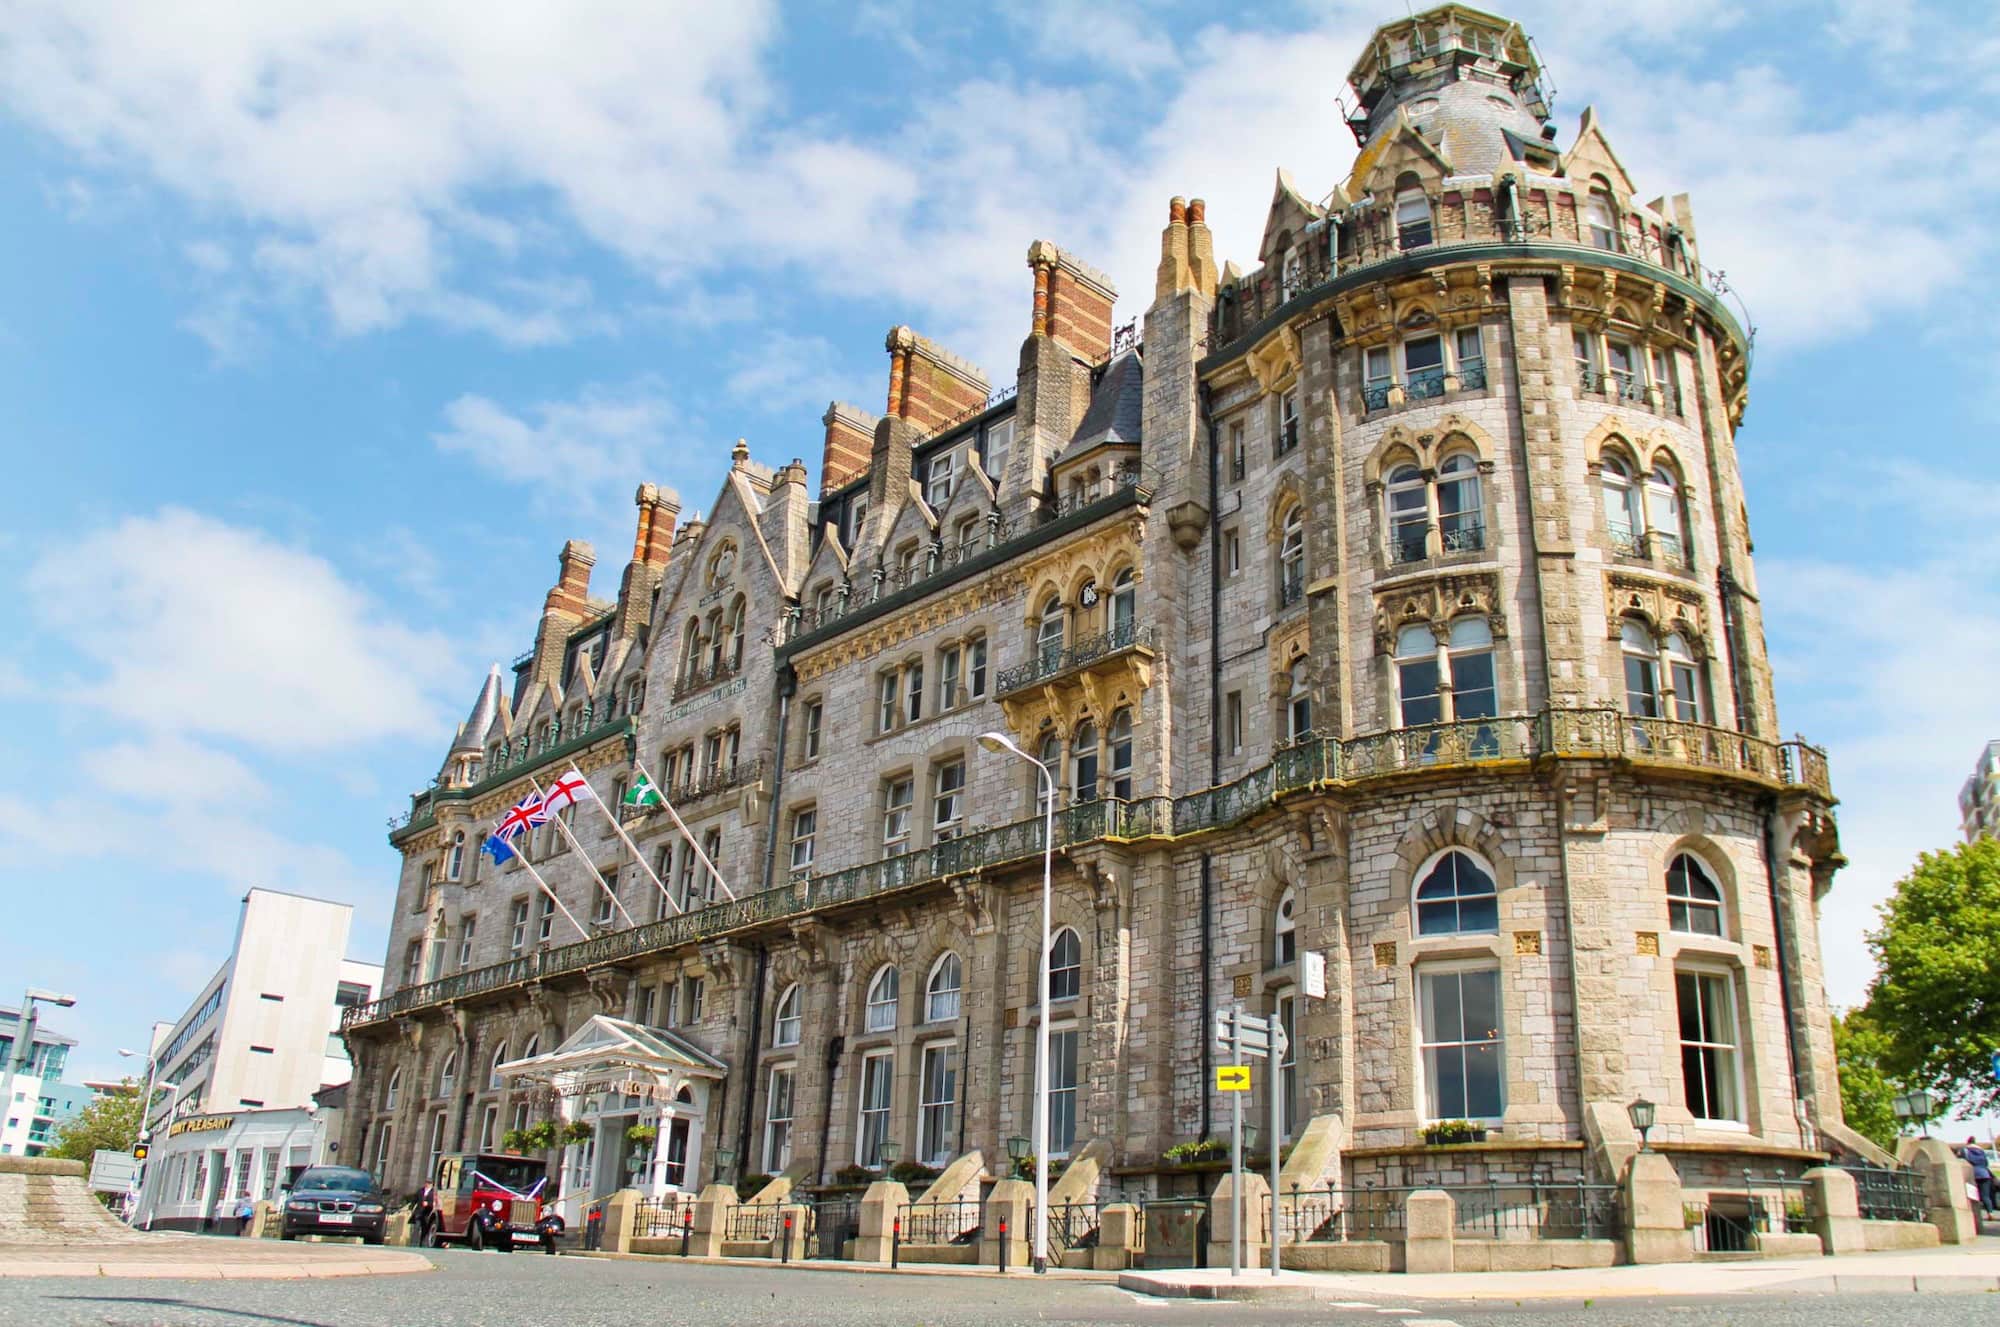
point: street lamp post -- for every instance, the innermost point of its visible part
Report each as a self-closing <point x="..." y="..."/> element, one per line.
<point x="145" y="1097"/>
<point x="1642" y="1113"/>
<point x="1917" y="1105"/>
<point x="22" y="1053"/>
<point x="1001" y="743"/>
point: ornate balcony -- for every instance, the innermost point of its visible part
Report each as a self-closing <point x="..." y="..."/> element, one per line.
<point x="1314" y="764"/>
<point x="721" y="670"/>
<point x="1050" y="664"/>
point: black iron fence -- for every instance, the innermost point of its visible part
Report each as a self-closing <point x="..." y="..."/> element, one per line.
<point x="1889" y="1195"/>
<point x="1334" y="1214"/>
<point x="945" y="1221"/>
<point x="1555" y="1209"/>
<point x="665" y="1216"/>
<point x="1073" y="1225"/>
<point x="752" y="1223"/>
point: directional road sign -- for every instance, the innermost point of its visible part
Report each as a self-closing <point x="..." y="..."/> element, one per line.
<point x="1232" y="1078"/>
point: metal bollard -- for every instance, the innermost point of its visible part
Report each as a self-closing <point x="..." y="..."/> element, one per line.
<point x="896" y="1243"/>
<point x="687" y="1230"/>
<point x="785" y="1247"/>
<point x="1003" y="1243"/>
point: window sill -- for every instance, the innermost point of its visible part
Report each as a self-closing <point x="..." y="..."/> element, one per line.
<point x="1398" y="573"/>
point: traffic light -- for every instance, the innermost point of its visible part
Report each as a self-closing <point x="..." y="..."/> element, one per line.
<point x="139" y="1152"/>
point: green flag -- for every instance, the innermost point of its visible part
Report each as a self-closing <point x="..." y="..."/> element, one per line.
<point x="643" y="793"/>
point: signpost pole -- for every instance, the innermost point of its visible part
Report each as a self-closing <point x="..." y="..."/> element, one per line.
<point x="1236" y="1145"/>
<point x="1276" y="1080"/>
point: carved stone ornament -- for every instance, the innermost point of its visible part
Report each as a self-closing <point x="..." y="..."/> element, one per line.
<point x="1667" y="606"/>
<point x="1434" y="602"/>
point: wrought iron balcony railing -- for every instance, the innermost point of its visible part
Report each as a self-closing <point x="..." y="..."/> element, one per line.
<point x="719" y="670"/>
<point x="1313" y="762"/>
<point x="1462" y="533"/>
<point x="1051" y="662"/>
<point x="520" y="756"/>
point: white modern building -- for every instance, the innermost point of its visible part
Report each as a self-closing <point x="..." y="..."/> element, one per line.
<point x="39" y="1101"/>
<point x="239" y="1075"/>
<point x="1979" y="799"/>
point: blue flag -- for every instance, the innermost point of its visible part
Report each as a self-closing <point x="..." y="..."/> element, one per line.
<point x="499" y="849"/>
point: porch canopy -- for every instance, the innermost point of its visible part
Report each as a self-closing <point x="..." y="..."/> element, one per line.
<point x="610" y="1055"/>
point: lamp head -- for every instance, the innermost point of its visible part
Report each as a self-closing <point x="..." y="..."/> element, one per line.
<point x="1017" y="1147"/>
<point x="1000" y="743"/>
<point x="50" y="997"/>
<point x="1642" y="1113"/>
<point x="892" y="1151"/>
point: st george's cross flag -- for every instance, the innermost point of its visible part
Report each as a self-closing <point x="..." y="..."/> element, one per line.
<point x="642" y="793"/>
<point x="565" y="792"/>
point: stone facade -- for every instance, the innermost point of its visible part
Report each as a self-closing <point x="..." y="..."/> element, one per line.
<point x="1416" y="554"/>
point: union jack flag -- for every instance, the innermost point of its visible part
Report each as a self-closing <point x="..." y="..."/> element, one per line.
<point x="530" y="811"/>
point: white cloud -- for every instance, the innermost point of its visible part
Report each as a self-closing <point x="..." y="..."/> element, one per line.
<point x="186" y="625"/>
<point x="1896" y="686"/>
<point x="574" y="452"/>
<point x="784" y="372"/>
<point x="172" y="771"/>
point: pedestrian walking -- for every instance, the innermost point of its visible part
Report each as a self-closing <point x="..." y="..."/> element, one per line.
<point x="246" y="1214"/>
<point x="1982" y="1175"/>
<point x="426" y="1214"/>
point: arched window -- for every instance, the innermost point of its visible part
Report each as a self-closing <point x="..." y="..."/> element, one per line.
<point x="493" y="1080"/>
<point x="1285" y="929"/>
<point x="1409" y="514"/>
<point x="1663" y="515"/>
<point x="785" y="1024"/>
<point x="448" y="1073"/>
<point x="1121" y="755"/>
<point x="533" y="1048"/>
<point x="1050" y="754"/>
<point x="1417" y="676"/>
<point x="1299" y="702"/>
<point x="1600" y="219"/>
<point x="734" y="650"/>
<point x="941" y="993"/>
<point x="1461" y="517"/>
<point x="1622" y="511"/>
<point x="1124" y="605"/>
<point x="691" y="651"/>
<point x="1642" y="670"/>
<point x="1694" y="900"/>
<point x="1083" y="762"/>
<point x="1292" y="268"/>
<point x="1065" y="965"/>
<point x="1457" y="897"/>
<point x="1292" y="557"/>
<point x="1684" y="676"/>
<point x="456" y="863"/>
<point x="1413" y="214"/>
<point x="394" y="1091"/>
<point x="1049" y="634"/>
<point x="882" y="993"/>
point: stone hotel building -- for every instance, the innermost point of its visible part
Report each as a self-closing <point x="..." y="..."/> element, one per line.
<point x="1388" y="596"/>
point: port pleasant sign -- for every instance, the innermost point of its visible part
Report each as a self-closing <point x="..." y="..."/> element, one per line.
<point x="199" y="1124"/>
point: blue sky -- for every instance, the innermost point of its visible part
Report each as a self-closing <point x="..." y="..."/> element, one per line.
<point x="322" y="327"/>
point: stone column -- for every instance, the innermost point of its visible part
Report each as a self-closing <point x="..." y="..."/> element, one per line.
<point x="1007" y="1208"/>
<point x="1121" y="1238"/>
<point x="1836" y="1210"/>
<point x="1256" y="1220"/>
<point x="1655" y="1230"/>
<point x="1429" y="1217"/>
<point x="1945" y="1178"/>
<point x="621" y="1211"/>
<point x="880" y="1207"/>
<point x="711" y="1220"/>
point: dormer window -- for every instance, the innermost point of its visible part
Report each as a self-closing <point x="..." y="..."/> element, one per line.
<point x="1413" y="216"/>
<point x="937" y="483"/>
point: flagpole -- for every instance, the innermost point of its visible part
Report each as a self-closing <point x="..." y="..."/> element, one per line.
<point x="686" y="833"/>
<point x="626" y="839"/>
<point x="529" y="866"/>
<point x="571" y="840"/>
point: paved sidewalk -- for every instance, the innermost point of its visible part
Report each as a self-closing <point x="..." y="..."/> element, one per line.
<point x="205" y="1257"/>
<point x="1971" y="1269"/>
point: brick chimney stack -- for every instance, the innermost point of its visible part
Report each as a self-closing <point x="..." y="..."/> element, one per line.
<point x="566" y="605"/>
<point x="652" y="541"/>
<point x="1072" y="302"/>
<point x="850" y="436"/>
<point x="928" y="385"/>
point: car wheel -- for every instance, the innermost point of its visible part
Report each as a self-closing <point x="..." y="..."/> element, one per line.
<point x="433" y="1238"/>
<point x="475" y="1237"/>
<point x="287" y="1232"/>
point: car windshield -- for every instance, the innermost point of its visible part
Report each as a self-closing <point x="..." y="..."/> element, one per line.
<point x="515" y="1174"/>
<point x="336" y="1177"/>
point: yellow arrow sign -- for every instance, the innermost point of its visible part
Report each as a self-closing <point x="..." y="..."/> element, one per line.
<point x="1232" y="1078"/>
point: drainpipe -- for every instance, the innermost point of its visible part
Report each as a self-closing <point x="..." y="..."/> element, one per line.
<point x="1725" y="593"/>
<point x="1778" y="943"/>
<point x="835" y="1046"/>
<point x="753" y="1049"/>
<point x="787" y="683"/>
<point x="1214" y="749"/>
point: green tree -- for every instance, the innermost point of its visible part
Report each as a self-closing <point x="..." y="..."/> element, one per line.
<point x="111" y="1122"/>
<point x="1936" y="996"/>
<point x="1865" y="1091"/>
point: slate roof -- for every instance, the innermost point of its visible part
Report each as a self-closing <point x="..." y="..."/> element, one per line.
<point x="1115" y="409"/>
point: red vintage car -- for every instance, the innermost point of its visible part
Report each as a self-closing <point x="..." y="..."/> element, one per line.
<point x="489" y="1201"/>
